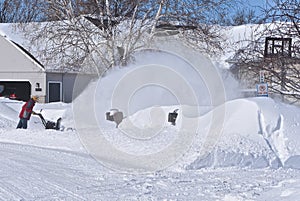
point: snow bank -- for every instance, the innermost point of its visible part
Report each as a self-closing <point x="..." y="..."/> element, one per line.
<point x="257" y="133"/>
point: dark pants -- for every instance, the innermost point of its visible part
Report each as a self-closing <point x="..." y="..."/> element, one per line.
<point x="22" y="123"/>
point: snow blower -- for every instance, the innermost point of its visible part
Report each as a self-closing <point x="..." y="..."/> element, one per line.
<point x="49" y="124"/>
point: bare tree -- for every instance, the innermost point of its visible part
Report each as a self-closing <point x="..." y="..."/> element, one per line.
<point x="243" y="16"/>
<point x="95" y="33"/>
<point x="21" y="11"/>
<point x="105" y="33"/>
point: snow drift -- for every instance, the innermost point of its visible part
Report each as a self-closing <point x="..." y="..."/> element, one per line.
<point x="257" y="133"/>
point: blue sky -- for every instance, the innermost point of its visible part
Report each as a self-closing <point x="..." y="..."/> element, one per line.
<point x="256" y="4"/>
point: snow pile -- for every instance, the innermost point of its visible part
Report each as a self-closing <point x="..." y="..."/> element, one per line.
<point x="257" y="133"/>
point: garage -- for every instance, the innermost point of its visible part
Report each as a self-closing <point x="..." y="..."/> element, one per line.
<point x="19" y="90"/>
<point x="23" y="76"/>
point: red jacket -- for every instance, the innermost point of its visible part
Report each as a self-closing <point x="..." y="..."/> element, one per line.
<point x="27" y="109"/>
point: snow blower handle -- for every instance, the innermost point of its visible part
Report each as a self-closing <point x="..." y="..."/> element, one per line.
<point x="41" y="117"/>
<point x="37" y="113"/>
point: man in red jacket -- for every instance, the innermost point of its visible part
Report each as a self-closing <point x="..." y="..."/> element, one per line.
<point x="26" y="112"/>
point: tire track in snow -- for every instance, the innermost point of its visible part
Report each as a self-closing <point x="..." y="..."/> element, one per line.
<point x="23" y="184"/>
<point x="51" y="173"/>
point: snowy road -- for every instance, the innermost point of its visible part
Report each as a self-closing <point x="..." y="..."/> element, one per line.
<point x="33" y="173"/>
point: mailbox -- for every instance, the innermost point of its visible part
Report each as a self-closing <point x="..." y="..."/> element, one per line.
<point x="172" y="117"/>
<point x="114" y="115"/>
<point x="109" y="117"/>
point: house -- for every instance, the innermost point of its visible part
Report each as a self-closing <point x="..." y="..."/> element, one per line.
<point x="22" y="76"/>
<point x="275" y="66"/>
